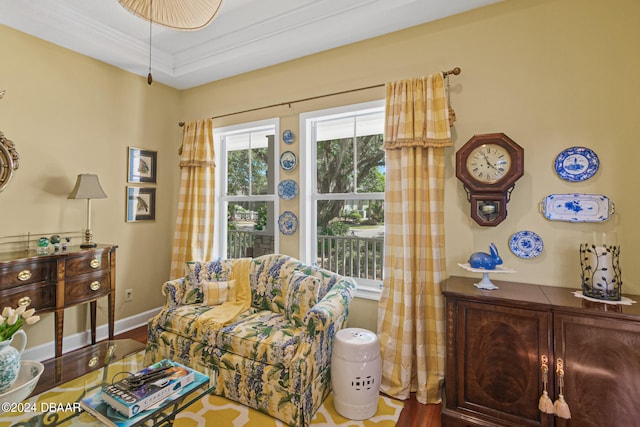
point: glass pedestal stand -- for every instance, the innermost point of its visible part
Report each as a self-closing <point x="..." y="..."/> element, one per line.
<point x="486" y="283"/>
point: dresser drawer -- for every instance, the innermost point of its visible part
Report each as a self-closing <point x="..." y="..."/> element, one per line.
<point x="86" y="263"/>
<point x="25" y="273"/>
<point x="41" y="296"/>
<point x="85" y="287"/>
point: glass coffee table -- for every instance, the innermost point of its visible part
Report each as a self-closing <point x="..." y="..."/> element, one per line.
<point x="66" y="380"/>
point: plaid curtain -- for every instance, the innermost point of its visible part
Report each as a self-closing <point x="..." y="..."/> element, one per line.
<point x="193" y="238"/>
<point x="410" y="312"/>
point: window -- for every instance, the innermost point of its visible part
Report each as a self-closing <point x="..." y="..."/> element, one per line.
<point x="344" y="187"/>
<point x="245" y="182"/>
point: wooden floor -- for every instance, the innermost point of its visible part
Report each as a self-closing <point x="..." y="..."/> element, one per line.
<point x="413" y="414"/>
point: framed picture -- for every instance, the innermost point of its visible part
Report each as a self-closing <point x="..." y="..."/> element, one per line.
<point x="141" y="204"/>
<point x="142" y="165"/>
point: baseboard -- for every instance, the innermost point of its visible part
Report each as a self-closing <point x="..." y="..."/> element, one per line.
<point x="72" y="342"/>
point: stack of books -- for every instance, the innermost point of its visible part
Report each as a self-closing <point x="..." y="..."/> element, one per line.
<point x="130" y="399"/>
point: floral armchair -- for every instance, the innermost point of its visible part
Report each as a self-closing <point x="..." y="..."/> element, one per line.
<point x="275" y="354"/>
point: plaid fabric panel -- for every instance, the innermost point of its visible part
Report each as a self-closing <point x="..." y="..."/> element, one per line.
<point x="193" y="237"/>
<point x="410" y="312"/>
<point x="216" y="293"/>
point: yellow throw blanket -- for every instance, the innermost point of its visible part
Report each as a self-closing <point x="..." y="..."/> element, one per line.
<point x="227" y="311"/>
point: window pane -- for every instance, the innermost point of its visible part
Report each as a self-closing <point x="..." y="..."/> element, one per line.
<point x="351" y="237"/>
<point x="238" y="172"/>
<point x="334" y="171"/>
<point x="370" y="164"/>
<point x="259" y="171"/>
<point x="249" y="229"/>
<point x="248" y="156"/>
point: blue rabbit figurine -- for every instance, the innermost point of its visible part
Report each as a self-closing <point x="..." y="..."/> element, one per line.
<point x="484" y="260"/>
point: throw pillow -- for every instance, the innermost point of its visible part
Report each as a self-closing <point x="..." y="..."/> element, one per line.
<point x="302" y="294"/>
<point x="215" y="293"/>
<point x="199" y="273"/>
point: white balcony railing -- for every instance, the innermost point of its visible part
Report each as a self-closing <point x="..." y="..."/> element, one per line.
<point x="353" y="256"/>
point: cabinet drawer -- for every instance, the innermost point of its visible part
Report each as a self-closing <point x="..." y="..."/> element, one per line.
<point x="25" y="273"/>
<point x="85" y="287"/>
<point x="41" y="296"/>
<point x="86" y="263"/>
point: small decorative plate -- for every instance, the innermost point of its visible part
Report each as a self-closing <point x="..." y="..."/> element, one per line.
<point x="287" y="136"/>
<point x="288" y="160"/>
<point x="577" y="207"/>
<point x="577" y="164"/>
<point x="288" y="223"/>
<point x="526" y="244"/>
<point x="287" y="189"/>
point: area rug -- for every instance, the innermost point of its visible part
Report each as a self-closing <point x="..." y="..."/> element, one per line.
<point x="220" y="412"/>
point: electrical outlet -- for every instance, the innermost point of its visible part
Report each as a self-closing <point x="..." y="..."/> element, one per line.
<point x="128" y="295"/>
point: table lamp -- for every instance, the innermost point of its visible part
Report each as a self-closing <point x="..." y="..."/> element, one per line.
<point x="87" y="187"/>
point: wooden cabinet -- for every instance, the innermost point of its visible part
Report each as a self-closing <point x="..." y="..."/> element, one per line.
<point x="496" y="341"/>
<point x="57" y="281"/>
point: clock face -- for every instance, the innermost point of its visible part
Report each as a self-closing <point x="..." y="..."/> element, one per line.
<point x="489" y="163"/>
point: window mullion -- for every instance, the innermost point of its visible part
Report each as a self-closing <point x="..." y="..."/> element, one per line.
<point x="354" y="166"/>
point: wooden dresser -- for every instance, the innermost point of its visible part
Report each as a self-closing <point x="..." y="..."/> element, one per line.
<point x="496" y="341"/>
<point x="57" y="281"/>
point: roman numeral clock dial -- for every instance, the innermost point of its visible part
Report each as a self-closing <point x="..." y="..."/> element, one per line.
<point x="488" y="166"/>
<point x="489" y="163"/>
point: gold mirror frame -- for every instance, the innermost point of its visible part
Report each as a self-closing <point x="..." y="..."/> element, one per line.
<point x="8" y="161"/>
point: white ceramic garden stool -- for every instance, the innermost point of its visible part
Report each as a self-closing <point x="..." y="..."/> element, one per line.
<point x="355" y="373"/>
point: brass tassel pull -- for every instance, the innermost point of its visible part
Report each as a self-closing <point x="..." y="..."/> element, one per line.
<point x="545" y="404"/>
<point x="561" y="406"/>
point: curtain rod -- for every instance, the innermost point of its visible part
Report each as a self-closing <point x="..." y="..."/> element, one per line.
<point x="454" y="71"/>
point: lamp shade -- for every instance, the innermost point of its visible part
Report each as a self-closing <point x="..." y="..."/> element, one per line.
<point x="87" y="187"/>
<point x="176" y="14"/>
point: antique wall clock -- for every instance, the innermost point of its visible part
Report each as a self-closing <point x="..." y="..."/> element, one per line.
<point x="8" y="161"/>
<point x="488" y="166"/>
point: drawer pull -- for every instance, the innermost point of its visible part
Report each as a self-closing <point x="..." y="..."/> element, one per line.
<point x="24" y="301"/>
<point x="95" y="263"/>
<point x="95" y="285"/>
<point x="93" y="361"/>
<point x="24" y="275"/>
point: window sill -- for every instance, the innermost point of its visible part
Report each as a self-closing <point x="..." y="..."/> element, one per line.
<point x="364" y="292"/>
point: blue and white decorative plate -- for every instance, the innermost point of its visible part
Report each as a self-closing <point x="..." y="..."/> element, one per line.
<point x="526" y="244"/>
<point x="577" y="207"/>
<point x="287" y="136"/>
<point x="288" y="223"/>
<point x="287" y="189"/>
<point x="288" y="160"/>
<point x="577" y="164"/>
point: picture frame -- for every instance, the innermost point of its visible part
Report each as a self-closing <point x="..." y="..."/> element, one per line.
<point x="142" y="165"/>
<point x="141" y="204"/>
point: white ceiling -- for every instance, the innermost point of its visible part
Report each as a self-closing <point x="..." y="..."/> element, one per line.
<point x="246" y="35"/>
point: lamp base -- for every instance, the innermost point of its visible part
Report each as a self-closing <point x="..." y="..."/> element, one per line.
<point x="88" y="238"/>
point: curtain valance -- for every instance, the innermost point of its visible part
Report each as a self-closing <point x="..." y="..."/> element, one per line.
<point x="417" y="113"/>
<point x="197" y="146"/>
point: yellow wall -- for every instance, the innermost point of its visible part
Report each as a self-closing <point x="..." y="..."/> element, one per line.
<point x="69" y="114"/>
<point x="551" y="74"/>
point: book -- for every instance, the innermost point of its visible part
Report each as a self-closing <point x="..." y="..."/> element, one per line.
<point x="135" y="393"/>
<point x="95" y="404"/>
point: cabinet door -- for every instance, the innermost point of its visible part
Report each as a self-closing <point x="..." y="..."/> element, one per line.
<point x="602" y="370"/>
<point x="496" y="365"/>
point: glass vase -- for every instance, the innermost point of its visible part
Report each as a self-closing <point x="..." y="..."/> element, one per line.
<point x="600" y="265"/>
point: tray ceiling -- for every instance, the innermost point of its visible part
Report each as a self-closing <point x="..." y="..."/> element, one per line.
<point x="245" y="36"/>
